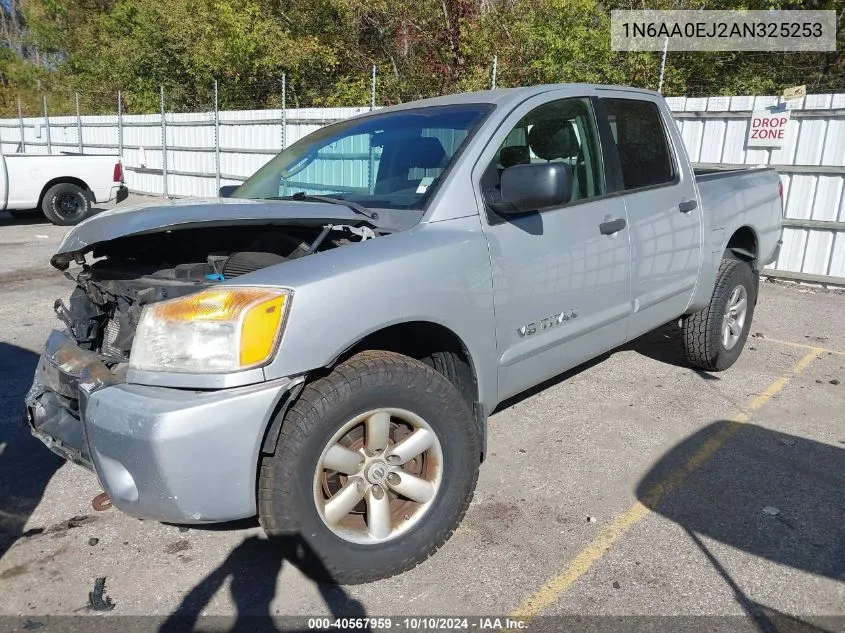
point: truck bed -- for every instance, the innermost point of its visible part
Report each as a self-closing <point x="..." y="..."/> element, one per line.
<point x="735" y="197"/>
<point x="711" y="171"/>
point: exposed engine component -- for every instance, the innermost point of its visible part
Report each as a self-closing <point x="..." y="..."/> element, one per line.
<point x="110" y="334"/>
<point x="246" y="262"/>
<point x="105" y="308"/>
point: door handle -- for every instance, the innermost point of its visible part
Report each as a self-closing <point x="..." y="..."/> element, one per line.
<point x="611" y="226"/>
<point x="686" y="206"/>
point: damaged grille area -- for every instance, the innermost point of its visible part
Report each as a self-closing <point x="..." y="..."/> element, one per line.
<point x="110" y="334"/>
<point x="116" y="278"/>
<point x="56" y="400"/>
<point x="130" y="272"/>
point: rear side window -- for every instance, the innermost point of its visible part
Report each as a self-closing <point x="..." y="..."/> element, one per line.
<point x="641" y="142"/>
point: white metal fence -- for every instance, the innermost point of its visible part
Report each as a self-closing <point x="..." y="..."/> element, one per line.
<point x="191" y="154"/>
<point x="190" y="148"/>
<point x="811" y="164"/>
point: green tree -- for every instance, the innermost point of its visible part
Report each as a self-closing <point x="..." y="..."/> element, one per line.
<point x="326" y="49"/>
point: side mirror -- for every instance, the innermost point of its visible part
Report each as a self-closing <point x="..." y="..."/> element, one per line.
<point x="534" y="187"/>
<point x="227" y="190"/>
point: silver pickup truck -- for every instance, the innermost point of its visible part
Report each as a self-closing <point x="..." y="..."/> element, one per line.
<point x="322" y="347"/>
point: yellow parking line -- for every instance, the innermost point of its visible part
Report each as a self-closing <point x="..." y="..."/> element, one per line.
<point x="608" y="537"/>
<point x="799" y="345"/>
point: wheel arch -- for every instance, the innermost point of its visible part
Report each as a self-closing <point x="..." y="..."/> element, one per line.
<point x="744" y="245"/>
<point x="417" y="339"/>
<point x="61" y="180"/>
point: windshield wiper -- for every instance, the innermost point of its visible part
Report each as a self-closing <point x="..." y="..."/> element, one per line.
<point x="357" y="208"/>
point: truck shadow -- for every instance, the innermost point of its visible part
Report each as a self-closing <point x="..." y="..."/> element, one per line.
<point x="254" y="567"/>
<point x="551" y="382"/>
<point x="6" y="219"/>
<point x="26" y="467"/>
<point x="662" y="344"/>
<point x="665" y="346"/>
<point x="766" y="493"/>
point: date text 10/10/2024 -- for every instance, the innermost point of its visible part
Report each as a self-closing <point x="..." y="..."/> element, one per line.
<point x="417" y="623"/>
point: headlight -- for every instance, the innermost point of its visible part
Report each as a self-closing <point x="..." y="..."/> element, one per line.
<point x="217" y="330"/>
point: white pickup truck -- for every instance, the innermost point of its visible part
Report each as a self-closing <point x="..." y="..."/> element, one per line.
<point x="63" y="187"/>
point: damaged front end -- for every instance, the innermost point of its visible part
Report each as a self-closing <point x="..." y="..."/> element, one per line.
<point x="136" y="436"/>
<point x="56" y="402"/>
<point x="133" y="271"/>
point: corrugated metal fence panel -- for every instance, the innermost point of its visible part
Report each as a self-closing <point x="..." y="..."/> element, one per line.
<point x="190" y="142"/>
<point x="142" y="149"/>
<point x="714" y="130"/>
<point x="713" y="133"/>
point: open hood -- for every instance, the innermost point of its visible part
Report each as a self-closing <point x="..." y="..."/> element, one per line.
<point x="189" y="213"/>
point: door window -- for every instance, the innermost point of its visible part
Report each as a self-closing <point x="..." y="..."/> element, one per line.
<point x="641" y="142"/>
<point x="559" y="131"/>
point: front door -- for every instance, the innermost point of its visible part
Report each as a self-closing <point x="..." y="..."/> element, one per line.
<point x="560" y="277"/>
<point x="663" y="218"/>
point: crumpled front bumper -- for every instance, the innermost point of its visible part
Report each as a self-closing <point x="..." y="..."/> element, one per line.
<point x="166" y="454"/>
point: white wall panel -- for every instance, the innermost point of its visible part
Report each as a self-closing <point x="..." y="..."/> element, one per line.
<point x="816" y="195"/>
<point x="837" y="260"/>
<point x="817" y="252"/>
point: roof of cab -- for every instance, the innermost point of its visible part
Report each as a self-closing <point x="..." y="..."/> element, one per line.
<point x="507" y="96"/>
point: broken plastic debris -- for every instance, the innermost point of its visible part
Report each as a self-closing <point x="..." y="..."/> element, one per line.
<point x="771" y="511"/>
<point x="591" y="519"/>
<point x="97" y="600"/>
<point x="101" y="502"/>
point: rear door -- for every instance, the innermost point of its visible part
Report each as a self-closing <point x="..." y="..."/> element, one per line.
<point x="664" y="220"/>
<point x="560" y="284"/>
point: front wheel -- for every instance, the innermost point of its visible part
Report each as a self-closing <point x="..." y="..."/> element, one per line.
<point x="714" y="337"/>
<point x="375" y="467"/>
<point x="66" y="204"/>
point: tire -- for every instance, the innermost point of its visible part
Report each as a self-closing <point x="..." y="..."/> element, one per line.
<point x="293" y="487"/>
<point x="25" y="214"/>
<point x="66" y="204"/>
<point x="457" y="372"/>
<point x="703" y="332"/>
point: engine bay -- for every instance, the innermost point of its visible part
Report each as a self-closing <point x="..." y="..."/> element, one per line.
<point x="130" y="272"/>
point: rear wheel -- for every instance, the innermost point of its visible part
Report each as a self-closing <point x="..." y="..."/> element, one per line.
<point x="66" y="204"/>
<point x="714" y="337"/>
<point x="375" y="467"/>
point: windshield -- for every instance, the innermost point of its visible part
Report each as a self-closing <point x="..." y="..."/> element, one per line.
<point x="393" y="160"/>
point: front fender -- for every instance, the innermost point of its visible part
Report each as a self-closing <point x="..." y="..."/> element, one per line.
<point x="437" y="272"/>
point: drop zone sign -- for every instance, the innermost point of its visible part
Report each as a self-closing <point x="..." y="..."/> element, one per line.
<point x="768" y="129"/>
